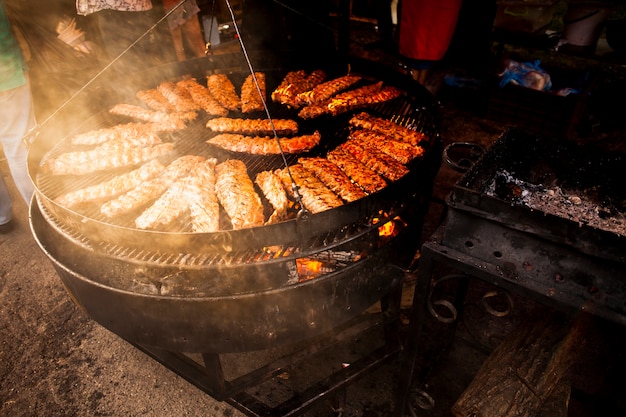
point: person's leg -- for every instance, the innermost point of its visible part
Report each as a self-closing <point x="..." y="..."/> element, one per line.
<point x="177" y="39"/>
<point x="16" y="119"/>
<point x="193" y="36"/>
<point x="6" y="213"/>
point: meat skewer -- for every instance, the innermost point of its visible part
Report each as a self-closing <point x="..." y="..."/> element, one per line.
<point x="294" y="83"/>
<point x="169" y="207"/>
<point x="201" y="95"/>
<point x="324" y="91"/>
<point x="333" y="177"/>
<point x="178" y="96"/>
<point x="259" y="127"/>
<point x="200" y="194"/>
<point x="152" y="189"/>
<point x="366" y="178"/>
<point x="265" y="145"/>
<point x="140" y="113"/>
<point x="402" y="152"/>
<point x="110" y="188"/>
<point x="316" y="197"/>
<point x="105" y="155"/>
<point x="237" y="195"/>
<point x="272" y="187"/>
<point x="155" y="100"/>
<point x="122" y="131"/>
<point x="365" y="120"/>
<point x="223" y="90"/>
<point x="251" y="100"/>
<point x="376" y="160"/>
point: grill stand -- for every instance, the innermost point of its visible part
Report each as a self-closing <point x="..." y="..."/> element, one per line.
<point x="208" y="374"/>
<point x="555" y="275"/>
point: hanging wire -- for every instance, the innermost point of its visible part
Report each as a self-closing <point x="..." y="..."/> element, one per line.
<point x="303" y="212"/>
<point x="32" y="133"/>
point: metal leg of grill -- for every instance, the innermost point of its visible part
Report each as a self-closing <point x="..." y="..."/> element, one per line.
<point x="209" y="375"/>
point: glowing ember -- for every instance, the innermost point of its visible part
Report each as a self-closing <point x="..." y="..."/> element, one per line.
<point x="310" y="268"/>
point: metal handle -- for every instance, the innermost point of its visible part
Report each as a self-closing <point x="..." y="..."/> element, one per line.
<point x="473" y="150"/>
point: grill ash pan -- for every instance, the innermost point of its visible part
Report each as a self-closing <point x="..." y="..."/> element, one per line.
<point x="583" y="201"/>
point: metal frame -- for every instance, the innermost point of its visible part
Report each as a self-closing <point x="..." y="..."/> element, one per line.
<point x="547" y="272"/>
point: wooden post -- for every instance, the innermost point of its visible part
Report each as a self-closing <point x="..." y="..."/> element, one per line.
<point x="523" y="371"/>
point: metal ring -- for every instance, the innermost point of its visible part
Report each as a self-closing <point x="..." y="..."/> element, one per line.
<point x="447" y="304"/>
<point x="463" y="164"/>
<point x="493" y="311"/>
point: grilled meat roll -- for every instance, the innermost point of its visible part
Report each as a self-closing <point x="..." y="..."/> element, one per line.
<point x="155" y="100"/>
<point x="365" y="177"/>
<point x="140" y="113"/>
<point x="373" y="158"/>
<point x="237" y="195"/>
<point x="333" y="177"/>
<point x="272" y="187"/>
<point x="112" y="154"/>
<point x="152" y="189"/>
<point x="168" y="208"/>
<point x="257" y="127"/>
<point x="294" y="83"/>
<point x="251" y="100"/>
<point x="402" y="152"/>
<point x="122" y="131"/>
<point x="316" y="197"/>
<point x="201" y="96"/>
<point x="178" y="96"/>
<point x="365" y="120"/>
<point x="267" y="145"/>
<point x="112" y="187"/>
<point x="223" y="90"/>
<point x="201" y="197"/>
<point x="324" y="91"/>
<point x="342" y="102"/>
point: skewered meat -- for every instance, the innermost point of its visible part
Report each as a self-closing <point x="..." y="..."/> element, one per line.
<point x="116" y="153"/>
<point x="365" y="177"/>
<point x="258" y="127"/>
<point x="99" y="136"/>
<point x="178" y="96"/>
<point x="168" y="208"/>
<point x="294" y="83"/>
<point x="333" y="177"/>
<point x="316" y="197"/>
<point x="152" y="189"/>
<point x="365" y="120"/>
<point x="110" y="188"/>
<point x="362" y="97"/>
<point x="375" y="159"/>
<point x="237" y="195"/>
<point x="402" y="152"/>
<point x="324" y="91"/>
<point x="223" y="90"/>
<point x="140" y="113"/>
<point x="200" y="194"/>
<point x="251" y="100"/>
<point x="272" y="187"/>
<point x="265" y="145"/>
<point x="341" y="102"/>
<point x="155" y="100"/>
<point x="201" y="95"/>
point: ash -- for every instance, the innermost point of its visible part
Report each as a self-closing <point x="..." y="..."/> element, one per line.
<point x="574" y="205"/>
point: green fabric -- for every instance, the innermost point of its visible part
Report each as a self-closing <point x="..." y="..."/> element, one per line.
<point x="11" y="60"/>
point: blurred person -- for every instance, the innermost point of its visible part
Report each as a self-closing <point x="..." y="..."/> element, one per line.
<point x="16" y="118"/>
<point x="426" y="29"/>
<point x="121" y="23"/>
<point x="185" y="28"/>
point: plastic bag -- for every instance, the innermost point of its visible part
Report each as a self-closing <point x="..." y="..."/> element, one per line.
<point x="526" y="74"/>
